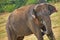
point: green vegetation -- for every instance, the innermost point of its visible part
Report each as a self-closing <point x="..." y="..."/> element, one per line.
<point x="10" y="5"/>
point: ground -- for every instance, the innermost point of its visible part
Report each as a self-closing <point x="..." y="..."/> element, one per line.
<point x="55" y="25"/>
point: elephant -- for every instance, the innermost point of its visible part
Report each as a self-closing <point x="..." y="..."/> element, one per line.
<point x="30" y="19"/>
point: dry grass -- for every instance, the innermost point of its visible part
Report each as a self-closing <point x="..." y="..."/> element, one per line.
<point x="55" y="25"/>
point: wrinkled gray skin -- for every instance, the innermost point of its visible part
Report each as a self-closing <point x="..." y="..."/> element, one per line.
<point x="24" y="21"/>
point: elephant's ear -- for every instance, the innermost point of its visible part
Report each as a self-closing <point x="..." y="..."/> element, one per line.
<point x="52" y="9"/>
<point x="35" y="20"/>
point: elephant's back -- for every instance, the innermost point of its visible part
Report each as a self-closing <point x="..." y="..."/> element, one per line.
<point x="20" y="16"/>
<point x="23" y="9"/>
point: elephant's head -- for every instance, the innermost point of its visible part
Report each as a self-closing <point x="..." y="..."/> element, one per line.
<point x="45" y="9"/>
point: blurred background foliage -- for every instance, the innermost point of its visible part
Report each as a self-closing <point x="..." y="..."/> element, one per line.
<point x="10" y="5"/>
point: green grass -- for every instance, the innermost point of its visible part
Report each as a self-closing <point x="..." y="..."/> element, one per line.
<point x="55" y="24"/>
